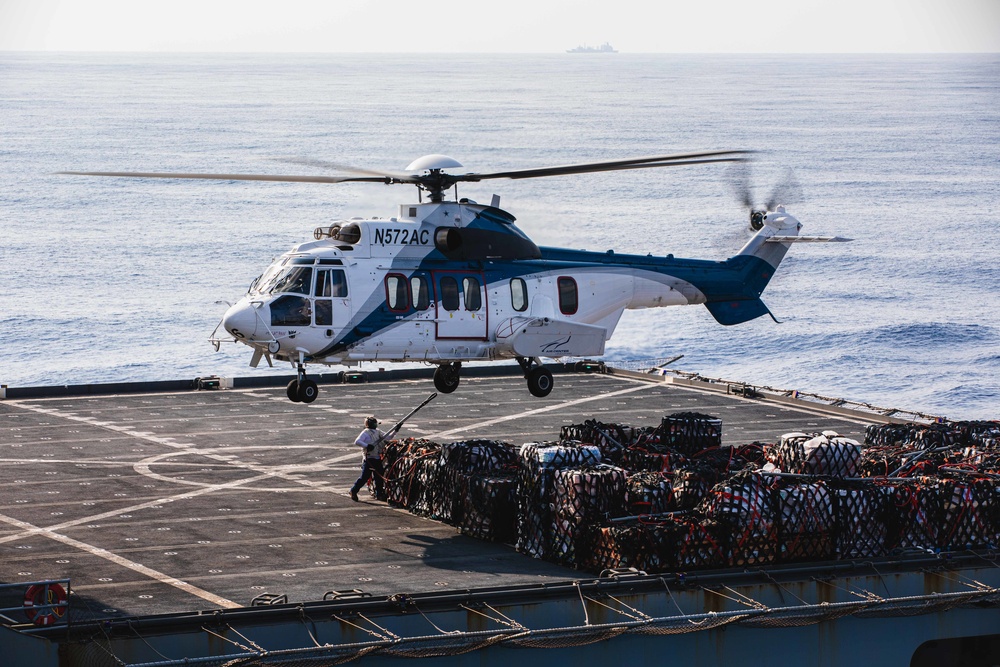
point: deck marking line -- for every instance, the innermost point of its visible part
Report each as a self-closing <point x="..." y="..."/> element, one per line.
<point x="35" y="530"/>
<point x="124" y="562"/>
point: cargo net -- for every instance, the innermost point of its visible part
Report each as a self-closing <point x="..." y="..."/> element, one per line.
<point x="470" y="484"/>
<point x="690" y="432"/>
<point x="539" y="462"/>
<point x="824" y="453"/>
<point x="671" y="498"/>
<point x="406" y="476"/>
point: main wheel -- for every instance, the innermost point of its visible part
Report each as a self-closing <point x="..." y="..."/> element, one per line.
<point x="539" y="381"/>
<point x="446" y="378"/>
<point x="293" y="391"/>
<point x="308" y="391"/>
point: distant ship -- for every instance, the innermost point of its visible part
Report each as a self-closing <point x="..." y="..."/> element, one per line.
<point x="603" y="48"/>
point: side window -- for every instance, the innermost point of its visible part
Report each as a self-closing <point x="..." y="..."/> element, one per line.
<point x="568" y="300"/>
<point x="473" y="297"/>
<point x="449" y="293"/>
<point x="421" y="292"/>
<point x="322" y="283"/>
<point x="518" y="295"/>
<point x="324" y="312"/>
<point x="339" y="283"/>
<point x="291" y="310"/>
<point x="396" y="294"/>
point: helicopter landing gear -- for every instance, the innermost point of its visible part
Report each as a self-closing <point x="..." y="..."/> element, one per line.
<point x="302" y="389"/>
<point x="538" y="376"/>
<point x="446" y="377"/>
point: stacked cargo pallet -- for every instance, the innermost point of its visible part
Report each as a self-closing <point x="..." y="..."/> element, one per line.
<point x="671" y="497"/>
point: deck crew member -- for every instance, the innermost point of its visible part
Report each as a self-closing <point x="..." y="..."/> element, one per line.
<point x="373" y="440"/>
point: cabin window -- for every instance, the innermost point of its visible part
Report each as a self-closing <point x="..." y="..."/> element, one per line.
<point x="421" y="292"/>
<point x="473" y="296"/>
<point x="568" y="300"/>
<point x="324" y="312"/>
<point x="291" y="311"/>
<point x="449" y="293"/>
<point x="518" y="294"/>
<point x="396" y="293"/>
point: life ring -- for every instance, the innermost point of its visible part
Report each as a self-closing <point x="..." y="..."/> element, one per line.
<point x="37" y="601"/>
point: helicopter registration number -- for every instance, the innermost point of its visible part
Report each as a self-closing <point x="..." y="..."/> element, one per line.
<point x="402" y="236"/>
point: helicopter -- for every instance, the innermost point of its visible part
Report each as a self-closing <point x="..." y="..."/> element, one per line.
<point x="453" y="281"/>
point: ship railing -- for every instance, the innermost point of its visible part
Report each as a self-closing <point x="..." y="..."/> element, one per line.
<point x="754" y="614"/>
<point x="657" y="368"/>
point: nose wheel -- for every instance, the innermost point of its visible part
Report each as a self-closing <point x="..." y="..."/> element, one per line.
<point x="538" y="376"/>
<point x="446" y="377"/>
<point x="302" y="389"/>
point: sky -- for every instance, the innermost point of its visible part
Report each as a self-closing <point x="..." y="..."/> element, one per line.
<point x="510" y="26"/>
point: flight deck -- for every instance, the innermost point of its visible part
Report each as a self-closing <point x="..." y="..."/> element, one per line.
<point x="153" y="503"/>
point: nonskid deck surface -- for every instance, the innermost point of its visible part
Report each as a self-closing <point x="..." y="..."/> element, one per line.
<point x="172" y="502"/>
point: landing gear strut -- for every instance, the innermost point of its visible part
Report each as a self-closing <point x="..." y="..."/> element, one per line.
<point x="539" y="377"/>
<point x="446" y="377"/>
<point x="302" y="389"/>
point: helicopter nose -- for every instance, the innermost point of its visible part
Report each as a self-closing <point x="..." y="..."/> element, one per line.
<point x="241" y="321"/>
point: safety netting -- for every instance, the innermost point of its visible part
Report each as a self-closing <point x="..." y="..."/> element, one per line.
<point x="670" y="497"/>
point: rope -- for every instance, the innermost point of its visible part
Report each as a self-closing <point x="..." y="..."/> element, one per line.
<point x="135" y="631"/>
<point x="227" y="639"/>
<point x="607" y="606"/>
<point x="364" y="629"/>
<point x="504" y="620"/>
<point x="739" y="599"/>
<point x="248" y="640"/>
<point x="433" y="625"/>
<point x="586" y="616"/>
<point x="303" y="618"/>
<point x="679" y="610"/>
<point x="864" y="594"/>
<point x="775" y="582"/>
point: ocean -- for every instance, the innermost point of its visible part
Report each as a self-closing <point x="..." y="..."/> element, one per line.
<point x="109" y="280"/>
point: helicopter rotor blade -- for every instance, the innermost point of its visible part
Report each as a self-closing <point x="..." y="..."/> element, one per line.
<point x="436" y="180"/>
<point x="788" y="191"/>
<point x="238" y="177"/>
<point x="613" y="165"/>
<point x="333" y="166"/>
<point x="740" y="178"/>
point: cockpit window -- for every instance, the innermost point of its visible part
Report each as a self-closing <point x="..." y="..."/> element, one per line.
<point x="297" y="279"/>
<point x="291" y="310"/>
<point x="331" y="282"/>
<point x="259" y="286"/>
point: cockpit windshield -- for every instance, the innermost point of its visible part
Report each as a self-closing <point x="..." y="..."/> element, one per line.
<point x="277" y="279"/>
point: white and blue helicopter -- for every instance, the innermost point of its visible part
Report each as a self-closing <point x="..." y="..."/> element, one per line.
<point x="449" y="282"/>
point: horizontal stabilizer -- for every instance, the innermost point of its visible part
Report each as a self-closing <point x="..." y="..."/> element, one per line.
<point x="807" y="239"/>
<point x="737" y="312"/>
